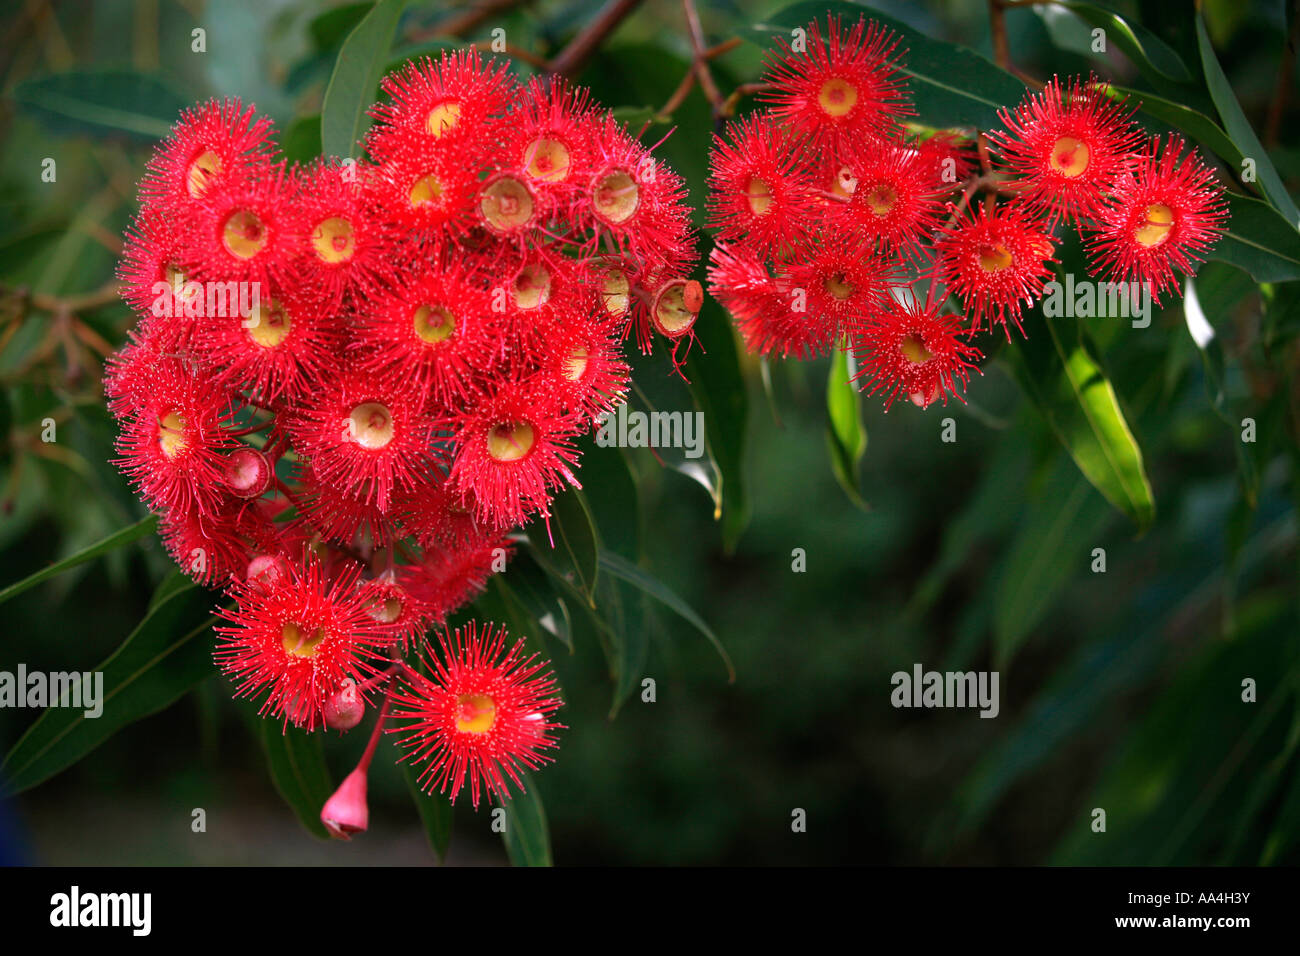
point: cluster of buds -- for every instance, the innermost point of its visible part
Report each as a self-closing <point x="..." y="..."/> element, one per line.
<point x="839" y="225"/>
<point x="350" y="381"/>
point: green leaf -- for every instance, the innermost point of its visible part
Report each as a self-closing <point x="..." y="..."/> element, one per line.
<point x="526" y="836"/>
<point x="1239" y="129"/>
<point x="1053" y="544"/>
<point x="302" y="141"/>
<point x="296" y="760"/>
<point x="622" y="568"/>
<point x="719" y="391"/>
<point x="571" y="548"/>
<point x="1192" y="122"/>
<point x="1203" y="335"/>
<point x="951" y="85"/>
<point x="165" y="656"/>
<point x="536" y="607"/>
<point x="846" y="436"/>
<point x="1059" y="370"/>
<point x="355" y="81"/>
<point x="1147" y="51"/>
<point x="115" y="540"/>
<point x="434" y="809"/>
<point x="95" y="102"/>
<point x="1259" y="241"/>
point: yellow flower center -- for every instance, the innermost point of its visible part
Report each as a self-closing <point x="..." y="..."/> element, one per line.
<point x="914" y="349"/>
<point x="442" y="118"/>
<point x="548" y="160"/>
<point x="1158" y="223"/>
<point x="298" y="643"/>
<point x="243" y="234"/>
<point x="616" y="196"/>
<point x="506" y="204"/>
<point x="1069" y="157"/>
<point x="203" y="170"/>
<point x="759" y="195"/>
<point x="837" y="97"/>
<point x="995" y="258"/>
<point x="270" y="324"/>
<point x="433" y="323"/>
<point x="510" y="441"/>
<point x="426" y="191"/>
<point x="475" y="713"/>
<point x="171" y="434"/>
<point x="370" y="425"/>
<point x="333" y="240"/>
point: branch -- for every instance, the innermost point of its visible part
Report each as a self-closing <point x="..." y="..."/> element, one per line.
<point x="573" y="57"/>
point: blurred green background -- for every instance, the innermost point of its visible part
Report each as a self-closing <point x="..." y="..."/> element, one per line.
<point x="1119" y="690"/>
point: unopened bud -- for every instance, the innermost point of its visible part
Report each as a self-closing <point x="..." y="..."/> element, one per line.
<point x="344" y="708"/>
<point x="248" y="473"/>
<point x="346" y="812"/>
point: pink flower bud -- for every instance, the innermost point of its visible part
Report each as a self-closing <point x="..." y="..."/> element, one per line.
<point x="344" y="708"/>
<point x="346" y="812"/>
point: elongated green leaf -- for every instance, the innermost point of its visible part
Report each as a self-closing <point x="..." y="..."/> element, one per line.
<point x="168" y="653"/>
<point x="296" y="761"/>
<point x="1148" y="52"/>
<point x="719" y="391"/>
<point x="1192" y="122"/>
<point x="571" y="551"/>
<point x="98" y="101"/>
<point x="434" y="809"/>
<point x="302" y="141"/>
<point x="1259" y="241"/>
<point x="1239" y="129"/>
<point x="951" y="85"/>
<point x="1058" y="368"/>
<point x="355" y="81"/>
<point x="1052" y="545"/>
<point x="1206" y="339"/>
<point x="622" y="568"/>
<point x="117" y="539"/>
<point x="846" y="436"/>
<point x="527" y="837"/>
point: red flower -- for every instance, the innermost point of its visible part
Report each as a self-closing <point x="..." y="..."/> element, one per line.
<point x="512" y="449"/>
<point x="173" y="442"/>
<point x="210" y="145"/>
<point x="638" y="202"/>
<point x="841" y="87"/>
<point x="434" y="330"/>
<point x="456" y="103"/>
<point x="298" y="641"/>
<point x="760" y="308"/>
<point x="242" y="230"/>
<point x="1068" y="146"/>
<point x="759" y="191"/>
<point x="342" y="239"/>
<point x="893" y="197"/>
<point x="484" y="714"/>
<point x="365" y="436"/>
<point x="548" y="141"/>
<point x="1164" y="214"/>
<point x="834" y="288"/>
<point x="279" y="348"/>
<point x="995" y="262"/>
<point x="911" y="349"/>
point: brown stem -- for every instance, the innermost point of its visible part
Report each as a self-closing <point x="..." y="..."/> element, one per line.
<point x="581" y="48"/>
<point x="702" y="72"/>
<point x="998" y="27"/>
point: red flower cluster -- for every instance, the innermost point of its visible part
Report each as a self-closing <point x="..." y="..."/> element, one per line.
<point x="837" y="227"/>
<point x="349" y="381"/>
